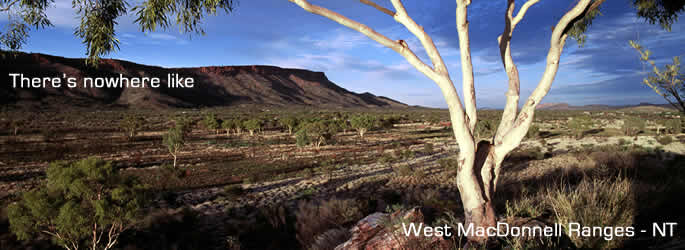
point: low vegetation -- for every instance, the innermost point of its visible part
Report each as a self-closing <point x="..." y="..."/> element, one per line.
<point x="293" y="186"/>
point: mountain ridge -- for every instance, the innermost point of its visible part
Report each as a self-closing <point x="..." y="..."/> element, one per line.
<point x="215" y="85"/>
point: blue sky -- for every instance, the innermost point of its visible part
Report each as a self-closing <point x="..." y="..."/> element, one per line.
<point x="276" y="32"/>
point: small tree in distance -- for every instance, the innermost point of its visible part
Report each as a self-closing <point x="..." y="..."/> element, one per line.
<point x="252" y="125"/>
<point x="211" y="123"/>
<point x="174" y="140"/>
<point x="362" y="123"/>
<point x="289" y="122"/>
<point x="132" y="124"/>
<point x="84" y="203"/>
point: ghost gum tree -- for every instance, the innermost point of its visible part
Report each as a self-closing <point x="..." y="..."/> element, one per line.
<point x="479" y="162"/>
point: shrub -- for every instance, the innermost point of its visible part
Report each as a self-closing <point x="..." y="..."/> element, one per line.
<point x="131" y="124"/>
<point x="81" y="202"/>
<point x="485" y="128"/>
<point x="302" y="138"/>
<point x="449" y="163"/>
<point x="664" y="140"/>
<point x="674" y="126"/>
<point x="579" y="124"/>
<point x="428" y="148"/>
<point x="211" y="123"/>
<point x="533" y="132"/>
<point x="404" y="170"/>
<point x="594" y="203"/>
<point x="633" y="126"/>
<point x="233" y="191"/>
<point x="386" y="159"/>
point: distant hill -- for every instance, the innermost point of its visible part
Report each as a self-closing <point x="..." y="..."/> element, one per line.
<point x="642" y="107"/>
<point x="214" y="85"/>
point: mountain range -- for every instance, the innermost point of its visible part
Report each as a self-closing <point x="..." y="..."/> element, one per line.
<point x="213" y="85"/>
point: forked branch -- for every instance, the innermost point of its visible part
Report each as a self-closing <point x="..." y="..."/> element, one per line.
<point x="513" y="93"/>
<point x="513" y="137"/>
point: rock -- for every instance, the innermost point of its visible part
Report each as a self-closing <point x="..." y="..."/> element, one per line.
<point x="384" y="231"/>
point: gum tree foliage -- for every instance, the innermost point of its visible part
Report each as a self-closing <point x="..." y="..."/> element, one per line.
<point x="252" y="125"/>
<point x="289" y="122"/>
<point x="87" y="203"/>
<point x="184" y="124"/>
<point x="227" y="125"/>
<point x="211" y="123"/>
<point x="174" y="140"/>
<point x="362" y="123"/>
<point x="668" y="82"/>
<point x="132" y="124"/>
<point x="98" y="19"/>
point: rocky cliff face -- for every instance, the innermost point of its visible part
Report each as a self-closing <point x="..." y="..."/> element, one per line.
<point x="214" y="86"/>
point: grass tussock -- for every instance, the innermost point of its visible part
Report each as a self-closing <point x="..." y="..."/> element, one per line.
<point x="605" y="203"/>
<point x="315" y="219"/>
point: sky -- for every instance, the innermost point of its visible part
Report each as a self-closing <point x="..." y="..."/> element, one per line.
<point x="606" y="70"/>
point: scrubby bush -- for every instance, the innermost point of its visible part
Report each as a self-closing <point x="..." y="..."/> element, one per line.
<point x="211" y="123"/>
<point x="664" y="140"/>
<point x="428" y="148"/>
<point x="485" y="129"/>
<point x="131" y="124"/>
<point x="673" y="126"/>
<point x="302" y="138"/>
<point x="533" y="132"/>
<point x="362" y="123"/>
<point x="343" y="124"/>
<point x="579" y="124"/>
<point x="83" y="204"/>
<point x="633" y="126"/>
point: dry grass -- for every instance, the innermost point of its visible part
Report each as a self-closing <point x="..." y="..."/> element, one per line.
<point x="314" y="219"/>
<point x="605" y="203"/>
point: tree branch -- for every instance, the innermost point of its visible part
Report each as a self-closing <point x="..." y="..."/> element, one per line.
<point x="516" y="133"/>
<point x="522" y="12"/>
<point x="466" y="63"/>
<point x="403" y="18"/>
<point x="9" y="5"/>
<point x="378" y="7"/>
<point x="397" y="46"/>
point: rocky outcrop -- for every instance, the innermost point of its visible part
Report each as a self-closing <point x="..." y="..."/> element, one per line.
<point x="381" y="231"/>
